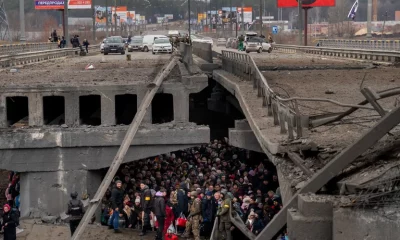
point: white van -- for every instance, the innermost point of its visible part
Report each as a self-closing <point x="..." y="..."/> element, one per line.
<point x="148" y="41"/>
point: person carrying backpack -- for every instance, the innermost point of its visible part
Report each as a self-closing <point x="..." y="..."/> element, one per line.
<point x="76" y="211"/>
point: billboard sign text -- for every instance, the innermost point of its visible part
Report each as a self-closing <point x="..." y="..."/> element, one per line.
<point x="59" y="4"/>
<point x="306" y="3"/>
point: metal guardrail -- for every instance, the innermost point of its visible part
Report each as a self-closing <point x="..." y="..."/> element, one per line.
<point x="8" y="49"/>
<point x="244" y="66"/>
<point x="393" y="45"/>
<point x="377" y="55"/>
<point x="30" y="57"/>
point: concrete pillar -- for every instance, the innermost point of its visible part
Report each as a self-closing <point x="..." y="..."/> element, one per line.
<point x="48" y="193"/>
<point x="72" y="109"/>
<point x="140" y="95"/>
<point x="108" y="108"/>
<point x="35" y="106"/>
<point x="181" y="106"/>
<point x="314" y="212"/>
<point x="3" y="112"/>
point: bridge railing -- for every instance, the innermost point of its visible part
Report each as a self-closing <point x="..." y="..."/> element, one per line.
<point x="244" y="66"/>
<point x="8" y="49"/>
<point x="365" y="54"/>
<point x="37" y="56"/>
<point x="393" y="45"/>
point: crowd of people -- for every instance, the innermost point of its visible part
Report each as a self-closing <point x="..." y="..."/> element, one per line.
<point x="195" y="185"/>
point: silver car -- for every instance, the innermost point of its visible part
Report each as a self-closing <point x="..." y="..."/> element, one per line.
<point x="253" y="45"/>
<point x="135" y="44"/>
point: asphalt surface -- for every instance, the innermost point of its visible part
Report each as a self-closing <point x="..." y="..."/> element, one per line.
<point x="112" y="69"/>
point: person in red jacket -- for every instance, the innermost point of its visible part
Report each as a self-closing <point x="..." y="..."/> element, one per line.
<point x="169" y="217"/>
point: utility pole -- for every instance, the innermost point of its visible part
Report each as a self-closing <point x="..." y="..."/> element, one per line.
<point x="261" y="20"/>
<point x="94" y="22"/>
<point x="66" y="34"/>
<point x="384" y="22"/>
<point x="300" y="22"/>
<point x="115" y="19"/>
<point x="190" y="38"/>
<point x="22" y="20"/>
<point x="106" y="18"/>
<point x="369" y="16"/>
<point x="243" y="17"/>
<point x="206" y="15"/>
<point x="231" y="22"/>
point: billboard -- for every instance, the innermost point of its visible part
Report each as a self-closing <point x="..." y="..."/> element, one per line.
<point x="59" y="4"/>
<point x="306" y="3"/>
<point x="131" y="18"/>
<point x="101" y="16"/>
<point x="247" y="14"/>
<point x="80" y="4"/>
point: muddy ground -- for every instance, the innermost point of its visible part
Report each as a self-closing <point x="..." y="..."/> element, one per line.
<point x="33" y="231"/>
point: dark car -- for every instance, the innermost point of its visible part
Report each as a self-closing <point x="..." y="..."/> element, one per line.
<point x="114" y="45"/>
<point x="136" y="44"/>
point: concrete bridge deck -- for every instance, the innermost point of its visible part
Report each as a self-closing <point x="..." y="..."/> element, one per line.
<point x="60" y="123"/>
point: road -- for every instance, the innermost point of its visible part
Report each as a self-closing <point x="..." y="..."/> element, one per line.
<point x="112" y="69"/>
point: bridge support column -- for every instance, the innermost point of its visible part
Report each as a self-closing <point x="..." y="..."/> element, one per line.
<point x="48" y="193"/>
<point x="181" y="105"/>
<point x="314" y="213"/>
<point x="108" y="109"/>
<point x="3" y="112"/>
<point x="147" y="117"/>
<point x="72" y="110"/>
<point x="35" y="109"/>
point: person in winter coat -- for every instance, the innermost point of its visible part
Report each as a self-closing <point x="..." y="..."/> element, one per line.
<point x="169" y="218"/>
<point x="86" y="45"/>
<point x="117" y="198"/>
<point x="209" y="207"/>
<point x="137" y="214"/>
<point x="159" y="211"/>
<point x="183" y="201"/>
<point x="146" y="202"/>
<point x="128" y="215"/>
<point x="9" y="223"/>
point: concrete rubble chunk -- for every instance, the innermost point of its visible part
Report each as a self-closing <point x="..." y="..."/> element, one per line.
<point x="49" y="219"/>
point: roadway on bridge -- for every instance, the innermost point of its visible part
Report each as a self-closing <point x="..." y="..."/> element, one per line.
<point x="112" y="69"/>
<point x="282" y="60"/>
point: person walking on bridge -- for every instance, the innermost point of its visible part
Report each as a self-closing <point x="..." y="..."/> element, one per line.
<point x="9" y="224"/>
<point x="241" y="40"/>
<point x="117" y="199"/>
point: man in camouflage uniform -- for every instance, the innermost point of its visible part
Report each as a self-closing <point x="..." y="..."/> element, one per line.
<point x="225" y="224"/>
<point x="194" y="218"/>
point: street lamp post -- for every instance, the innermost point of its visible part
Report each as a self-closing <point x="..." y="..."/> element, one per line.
<point x="22" y="20"/>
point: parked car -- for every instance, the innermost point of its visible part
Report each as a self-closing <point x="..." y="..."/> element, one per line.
<point x="253" y="45"/>
<point x="221" y="42"/>
<point x="148" y="41"/>
<point x="162" y="45"/>
<point x="136" y="44"/>
<point x="266" y="47"/>
<point x="102" y="45"/>
<point x="114" y="45"/>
